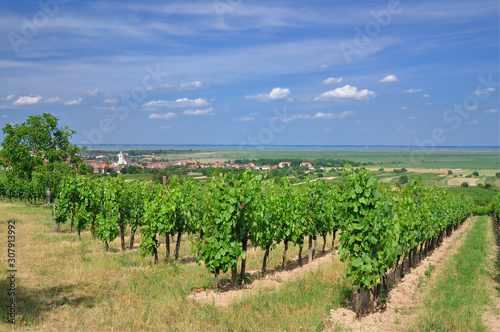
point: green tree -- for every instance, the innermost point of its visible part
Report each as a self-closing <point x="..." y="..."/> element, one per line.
<point x="85" y="169"/>
<point x="403" y="179"/>
<point x="39" y="149"/>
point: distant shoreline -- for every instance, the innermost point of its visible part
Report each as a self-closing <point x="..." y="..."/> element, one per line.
<point x="290" y="147"/>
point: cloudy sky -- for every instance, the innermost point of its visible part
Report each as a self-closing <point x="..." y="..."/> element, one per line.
<point x="256" y="72"/>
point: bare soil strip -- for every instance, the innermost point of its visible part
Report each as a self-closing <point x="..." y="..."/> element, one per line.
<point x="272" y="280"/>
<point x="403" y="297"/>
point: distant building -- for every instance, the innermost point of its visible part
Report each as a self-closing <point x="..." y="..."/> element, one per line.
<point x="284" y="163"/>
<point x="123" y="159"/>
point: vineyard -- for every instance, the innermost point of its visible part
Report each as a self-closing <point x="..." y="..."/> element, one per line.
<point x="27" y="192"/>
<point x="380" y="227"/>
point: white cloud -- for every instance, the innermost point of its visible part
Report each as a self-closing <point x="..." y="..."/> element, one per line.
<point x="342" y="115"/>
<point x="53" y="100"/>
<point x="5" y="116"/>
<point x="471" y="108"/>
<point x="27" y="100"/>
<point x="182" y="102"/>
<point x="110" y="101"/>
<point x="404" y="107"/>
<point x="165" y="86"/>
<point x="472" y="122"/>
<point x="346" y="92"/>
<point x="165" y="127"/>
<point x="91" y="93"/>
<point x="207" y="111"/>
<point x="165" y="116"/>
<point x="74" y="102"/>
<point x="191" y="86"/>
<point x="333" y="80"/>
<point x="389" y="79"/>
<point x="401" y="128"/>
<point x="195" y="85"/>
<point x="253" y="114"/>
<point x="412" y="90"/>
<point x="276" y="94"/>
<point x="428" y="104"/>
<point x="326" y="129"/>
<point x="103" y="108"/>
<point x="412" y="117"/>
<point x="493" y="110"/>
<point x="425" y="96"/>
<point x="325" y="66"/>
<point x="484" y="91"/>
<point x="319" y="115"/>
<point x="244" y="118"/>
<point x="9" y="97"/>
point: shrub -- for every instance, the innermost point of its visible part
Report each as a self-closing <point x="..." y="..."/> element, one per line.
<point x="465" y="184"/>
<point x="403" y="179"/>
<point x="475" y="173"/>
<point x="450" y="172"/>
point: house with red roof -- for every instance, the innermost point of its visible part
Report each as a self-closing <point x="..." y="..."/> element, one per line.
<point x="284" y="163"/>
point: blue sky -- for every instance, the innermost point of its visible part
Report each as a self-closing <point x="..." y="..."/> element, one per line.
<point x="255" y="72"/>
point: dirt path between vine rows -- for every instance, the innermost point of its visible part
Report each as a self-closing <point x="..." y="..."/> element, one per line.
<point x="272" y="280"/>
<point x="401" y="299"/>
<point x="405" y="296"/>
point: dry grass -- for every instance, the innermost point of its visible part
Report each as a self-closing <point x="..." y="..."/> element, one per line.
<point x="67" y="284"/>
<point x="458" y="181"/>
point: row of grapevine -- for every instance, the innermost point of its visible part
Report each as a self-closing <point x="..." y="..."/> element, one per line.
<point x="494" y="209"/>
<point x="383" y="226"/>
<point x="103" y="205"/>
<point x="27" y="192"/>
<point x="223" y="217"/>
<point x="495" y="206"/>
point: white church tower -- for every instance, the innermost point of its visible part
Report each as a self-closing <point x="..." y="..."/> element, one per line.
<point x="121" y="159"/>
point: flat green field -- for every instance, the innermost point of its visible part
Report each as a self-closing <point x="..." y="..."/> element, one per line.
<point x="474" y="160"/>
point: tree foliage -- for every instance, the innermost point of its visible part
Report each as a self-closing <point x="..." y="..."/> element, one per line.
<point x="38" y="149"/>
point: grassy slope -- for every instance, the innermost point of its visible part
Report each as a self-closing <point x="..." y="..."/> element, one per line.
<point x="460" y="294"/>
<point x="66" y="284"/>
